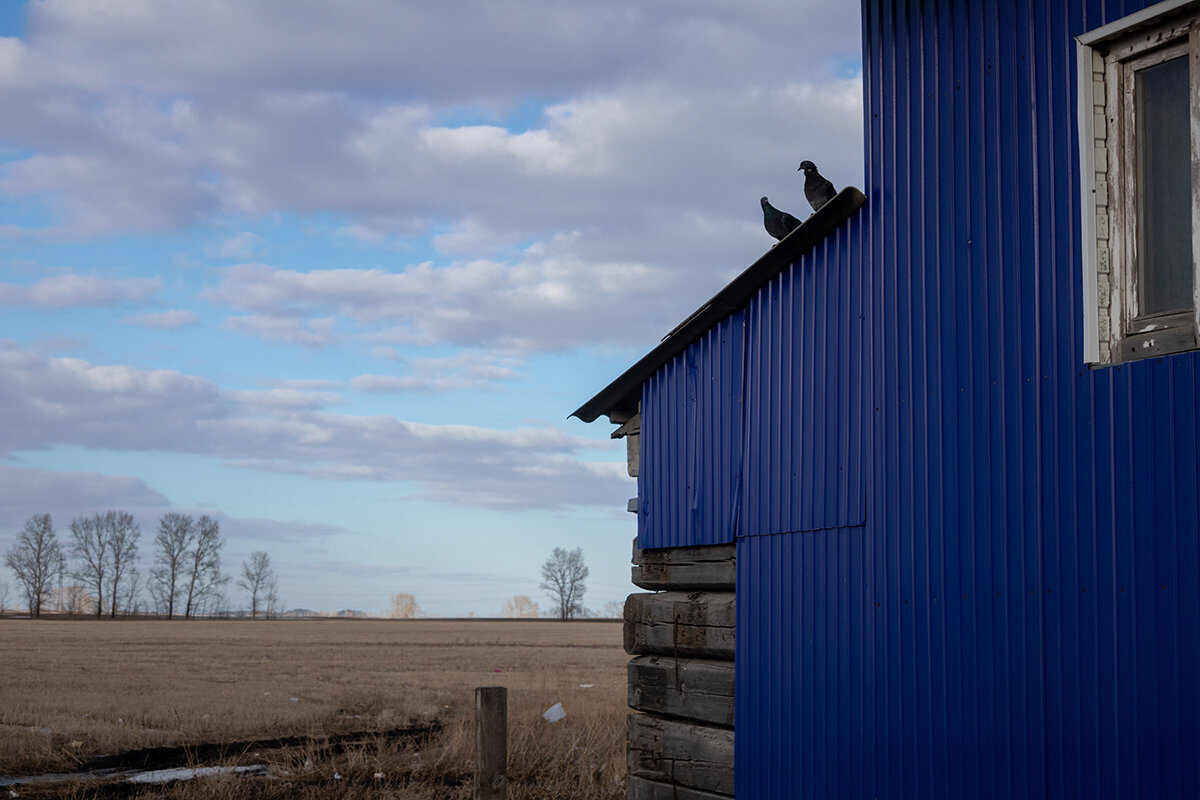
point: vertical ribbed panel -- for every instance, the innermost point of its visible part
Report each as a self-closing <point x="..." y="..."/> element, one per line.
<point x="1020" y="616"/>
<point x="691" y="443"/>
<point x="806" y="680"/>
<point x="804" y="393"/>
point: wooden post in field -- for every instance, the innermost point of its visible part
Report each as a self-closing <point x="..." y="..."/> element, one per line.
<point x="491" y="743"/>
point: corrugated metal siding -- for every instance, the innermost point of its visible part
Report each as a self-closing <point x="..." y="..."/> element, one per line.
<point x="1120" y="517"/>
<point x="807" y="680"/>
<point x="804" y="393"/>
<point x="691" y="443"/>
<point x="1031" y="537"/>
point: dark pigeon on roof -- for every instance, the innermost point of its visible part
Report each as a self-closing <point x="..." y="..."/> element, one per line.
<point x="817" y="189"/>
<point x="778" y="223"/>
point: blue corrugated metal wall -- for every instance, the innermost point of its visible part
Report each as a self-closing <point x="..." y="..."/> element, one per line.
<point x="804" y="393"/>
<point x="758" y="426"/>
<point x="690" y="454"/>
<point x="1020" y="617"/>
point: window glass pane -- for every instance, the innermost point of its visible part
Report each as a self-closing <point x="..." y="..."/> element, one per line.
<point x="1165" y="188"/>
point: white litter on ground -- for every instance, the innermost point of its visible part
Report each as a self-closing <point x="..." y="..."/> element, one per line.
<point x="554" y="713"/>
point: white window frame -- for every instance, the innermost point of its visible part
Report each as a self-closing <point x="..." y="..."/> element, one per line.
<point x="1113" y="333"/>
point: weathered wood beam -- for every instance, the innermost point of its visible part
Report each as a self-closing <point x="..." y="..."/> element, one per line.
<point x="631" y="432"/>
<point x="711" y="569"/>
<point x="688" y="755"/>
<point x="696" y="625"/>
<point x="690" y="689"/>
<point x="641" y="789"/>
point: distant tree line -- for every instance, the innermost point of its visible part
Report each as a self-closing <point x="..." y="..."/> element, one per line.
<point x="95" y="569"/>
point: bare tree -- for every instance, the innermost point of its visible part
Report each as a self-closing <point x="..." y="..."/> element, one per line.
<point x="90" y="545"/>
<point x="123" y="534"/>
<point x="520" y="606"/>
<point x="203" y="576"/>
<point x="274" y="601"/>
<point x="131" y="595"/>
<point x="106" y="544"/>
<point x="404" y="606"/>
<point x="36" y="559"/>
<point x="259" y="580"/>
<point x="174" y="538"/>
<point x="563" y="577"/>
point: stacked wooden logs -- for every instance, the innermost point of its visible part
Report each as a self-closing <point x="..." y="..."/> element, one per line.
<point x="680" y="738"/>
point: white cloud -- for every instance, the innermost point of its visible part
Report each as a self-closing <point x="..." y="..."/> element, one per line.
<point x="70" y="401"/>
<point x="547" y="300"/>
<point x="467" y="371"/>
<point x="242" y="246"/>
<point x="285" y="399"/>
<point x="25" y="491"/>
<point x="163" y="320"/>
<point x="314" y="333"/>
<point x="60" y="292"/>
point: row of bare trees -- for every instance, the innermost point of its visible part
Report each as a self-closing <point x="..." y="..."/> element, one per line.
<point x="105" y="548"/>
<point x="187" y="564"/>
<point x="100" y="557"/>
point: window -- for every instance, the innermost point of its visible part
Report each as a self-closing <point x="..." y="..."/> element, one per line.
<point x="1139" y="121"/>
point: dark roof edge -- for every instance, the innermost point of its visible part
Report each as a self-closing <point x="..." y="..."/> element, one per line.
<point x="620" y="398"/>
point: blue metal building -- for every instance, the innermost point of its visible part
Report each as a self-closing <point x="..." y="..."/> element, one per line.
<point x="967" y="560"/>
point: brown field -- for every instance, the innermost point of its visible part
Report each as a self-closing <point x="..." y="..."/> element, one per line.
<point x="334" y="708"/>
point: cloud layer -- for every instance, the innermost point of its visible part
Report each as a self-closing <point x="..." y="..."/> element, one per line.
<point x="584" y="162"/>
<point x="53" y="402"/>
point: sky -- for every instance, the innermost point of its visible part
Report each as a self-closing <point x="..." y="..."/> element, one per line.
<point x="337" y="273"/>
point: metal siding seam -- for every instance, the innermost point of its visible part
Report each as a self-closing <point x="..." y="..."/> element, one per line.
<point x="646" y="465"/>
<point x="928" y="589"/>
<point x="821" y="317"/>
<point x="781" y="335"/>
<point x="886" y="266"/>
<point x="905" y="313"/>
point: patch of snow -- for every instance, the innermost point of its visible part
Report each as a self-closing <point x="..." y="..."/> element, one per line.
<point x="187" y="774"/>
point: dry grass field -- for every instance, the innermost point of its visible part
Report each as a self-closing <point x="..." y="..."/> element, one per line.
<point x="333" y="708"/>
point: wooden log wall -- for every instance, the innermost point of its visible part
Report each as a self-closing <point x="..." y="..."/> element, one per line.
<point x="681" y="637"/>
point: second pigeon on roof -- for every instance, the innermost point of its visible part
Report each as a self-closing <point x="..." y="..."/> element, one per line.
<point x="817" y="189"/>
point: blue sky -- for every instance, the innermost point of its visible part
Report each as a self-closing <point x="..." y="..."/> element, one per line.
<point x="336" y="273"/>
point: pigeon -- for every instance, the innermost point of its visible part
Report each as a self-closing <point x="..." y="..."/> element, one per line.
<point x="778" y="223"/>
<point x="817" y="189"/>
